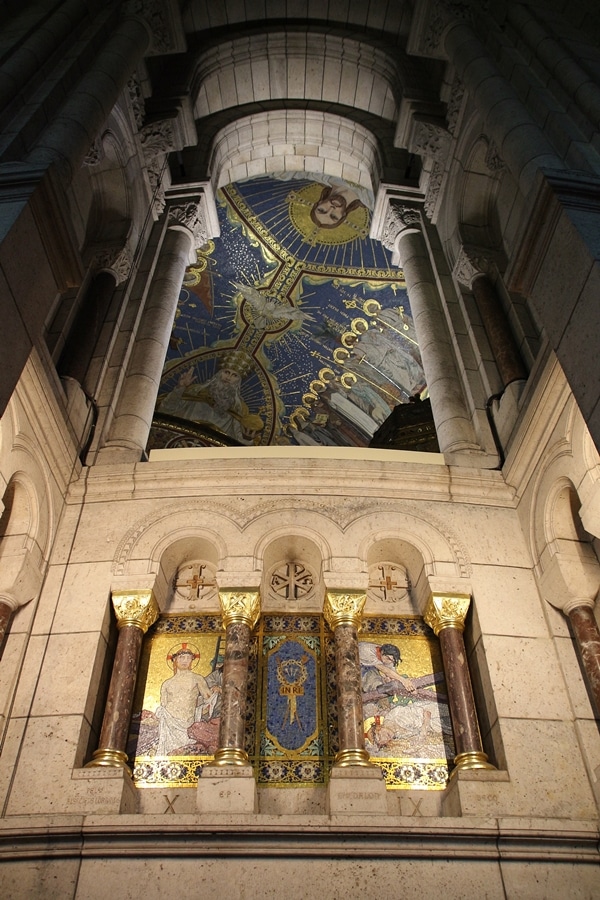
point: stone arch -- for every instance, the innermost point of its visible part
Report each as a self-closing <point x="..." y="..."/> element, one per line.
<point x="296" y="141"/>
<point x="21" y="557"/>
<point x="265" y="66"/>
<point x="296" y="554"/>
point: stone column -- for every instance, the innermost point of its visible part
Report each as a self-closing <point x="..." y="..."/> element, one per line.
<point x="587" y="640"/>
<point x="402" y="234"/>
<point x="186" y="230"/>
<point x="446" y="32"/>
<point x="343" y="610"/>
<point x="446" y="614"/>
<point x="136" y="611"/>
<point x="112" y="268"/>
<point x="472" y="270"/>
<point x="76" y="124"/>
<point x="241" y="610"/>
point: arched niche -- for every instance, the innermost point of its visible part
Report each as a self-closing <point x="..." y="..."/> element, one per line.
<point x="292" y="577"/>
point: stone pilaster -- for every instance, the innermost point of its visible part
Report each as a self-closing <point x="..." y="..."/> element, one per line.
<point x="136" y="611"/>
<point x="343" y="611"/>
<point x="6" y="613"/>
<point x="446" y="615"/>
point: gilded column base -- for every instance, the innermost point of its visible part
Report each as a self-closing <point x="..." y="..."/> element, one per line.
<point x="472" y="759"/>
<point x="230" y="756"/>
<point x="115" y="758"/>
<point x="354" y="757"/>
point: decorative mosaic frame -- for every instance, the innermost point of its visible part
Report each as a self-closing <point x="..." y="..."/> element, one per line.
<point x="180" y="771"/>
<point x="292" y="690"/>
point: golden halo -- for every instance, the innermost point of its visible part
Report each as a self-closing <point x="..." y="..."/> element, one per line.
<point x="300" y="203"/>
<point x="184" y="646"/>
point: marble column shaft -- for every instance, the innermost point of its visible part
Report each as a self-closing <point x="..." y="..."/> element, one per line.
<point x="6" y="611"/>
<point x="138" y="397"/>
<point x="117" y="712"/>
<point x="587" y="637"/>
<point x="76" y="124"/>
<point x="234" y="687"/>
<point x="502" y="341"/>
<point x="453" y="427"/>
<point x="460" y="692"/>
<point x="349" y="689"/>
<point x="84" y="334"/>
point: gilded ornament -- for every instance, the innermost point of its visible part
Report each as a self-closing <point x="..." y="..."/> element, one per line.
<point x="138" y="608"/>
<point x="344" y="608"/>
<point x="447" y="611"/>
<point x="240" y="606"/>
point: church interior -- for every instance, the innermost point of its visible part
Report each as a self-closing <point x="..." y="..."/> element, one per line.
<point x="299" y="433"/>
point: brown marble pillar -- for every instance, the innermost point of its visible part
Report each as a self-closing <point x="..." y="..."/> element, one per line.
<point x="241" y="610"/>
<point x="6" y="611"/>
<point x="472" y="269"/>
<point x="445" y="614"/>
<point x="136" y="611"/>
<point x="587" y="638"/>
<point x="343" y="610"/>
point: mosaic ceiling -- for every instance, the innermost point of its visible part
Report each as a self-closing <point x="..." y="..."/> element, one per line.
<point x="292" y="328"/>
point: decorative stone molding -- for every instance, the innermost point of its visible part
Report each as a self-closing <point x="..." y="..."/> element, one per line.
<point x="343" y="608"/>
<point x="136" y="98"/>
<point x="241" y="606"/>
<point x="447" y="611"/>
<point x="118" y="262"/>
<point x="441" y="14"/>
<point x="434" y="187"/>
<point x="157" y="137"/>
<point x="455" y="102"/>
<point x="470" y="264"/>
<point x="158" y="16"/>
<point x="191" y="217"/>
<point x="137" y="608"/>
<point x="430" y="139"/>
<point x="493" y="160"/>
<point x="155" y="169"/>
<point x="398" y="218"/>
<point x="95" y="154"/>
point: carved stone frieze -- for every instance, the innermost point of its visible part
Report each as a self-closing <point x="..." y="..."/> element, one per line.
<point x="119" y="262"/>
<point x="493" y="160"/>
<point x="157" y="137"/>
<point x="434" y="187"/>
<point x="455" y="102"/>
<point x="430" y="139"/>
<point x="443" y="13"/>
<point x="154" y="13"/>
<point x="398" y="218"/>
<point x="136" y="98"/>
<point x="155" y="169"/>
<point x="190" y="216"/>
<point x="470" y="264"/>
<point x="95" y="154"/>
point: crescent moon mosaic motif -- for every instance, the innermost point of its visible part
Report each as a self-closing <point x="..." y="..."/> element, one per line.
<point x="292" y="327"/>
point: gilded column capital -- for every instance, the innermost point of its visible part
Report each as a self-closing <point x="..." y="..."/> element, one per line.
<point x="138" y="608"/>
<point x="344" y="608"/>
<point x="241" y="606"/>
<point x="447" y="611"/>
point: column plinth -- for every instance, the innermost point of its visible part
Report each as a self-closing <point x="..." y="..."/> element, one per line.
<point x="446" y="614"/>
<point x="136" y="611"/>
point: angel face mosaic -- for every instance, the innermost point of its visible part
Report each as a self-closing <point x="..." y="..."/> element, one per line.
<point x="292" y="328"/>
